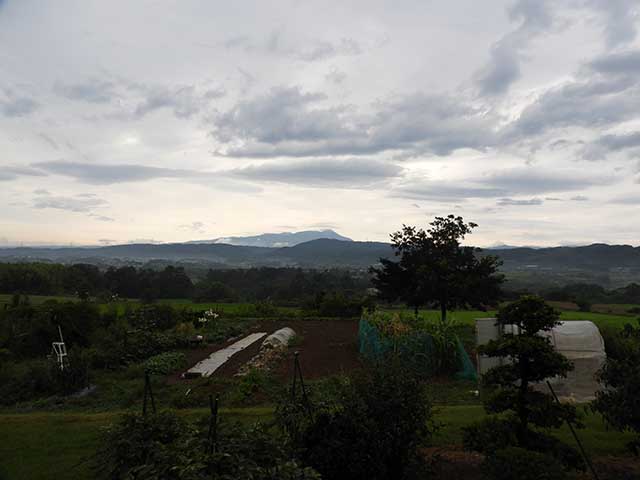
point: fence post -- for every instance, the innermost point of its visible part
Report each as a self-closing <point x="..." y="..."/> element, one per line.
<point x="586" y="458"/>
<point x="213" y="425"/>
<point x="148" y="394"/>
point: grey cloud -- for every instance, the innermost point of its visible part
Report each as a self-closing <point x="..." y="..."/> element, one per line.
<point x="444" y="191"/>
<point x="324" y="50"/>
<point x="627" y="63"/>
<point x="594" y="102"/>
<point x="104" y="174"/>
<point x="626" y="200"/>
<point x="11" y="172"/>
<point x="281" y="114"/>
<point x="183" y="101"/>
<point x="49" y="141"/>
<point x="288" y="122"/>
<point x="531" y="180"/>
<point x="506" y="54"/>
<point x="618" y="20"/>
<point x="600" y="148"/>
<point x="510" y="202"/>
<point x="504" y="184"/>
<point x="106" y="241"/>
<point x="72" y="204"/>
<point x="349" y="173"/>
<point x="311" y="51"/>
<point x="107" y="174"/>
<point x="41" y="191"/>
<point x="579" y="198"/>
<point x="15" y="105"/>
<point x="92" y="90"/>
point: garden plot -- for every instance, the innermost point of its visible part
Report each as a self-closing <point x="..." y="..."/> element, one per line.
<point x="218" y="358"/>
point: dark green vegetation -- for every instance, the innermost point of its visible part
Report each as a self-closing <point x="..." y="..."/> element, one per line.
<point x="621" y="375"/>
<point x="435" y="269"/>
<point x="360" y="420"/>
<point x="165" y="446"/>
<point x="520" y="412"/>
<point x="611" y="266"/>
<point x="372" y="430"/>
<point x="284" y="285"/>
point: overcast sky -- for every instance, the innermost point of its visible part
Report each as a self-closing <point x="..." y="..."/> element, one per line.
<point x="180" y="120"/>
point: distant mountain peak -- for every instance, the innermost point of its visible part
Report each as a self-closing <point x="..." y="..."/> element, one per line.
<point x="276" y="240"/>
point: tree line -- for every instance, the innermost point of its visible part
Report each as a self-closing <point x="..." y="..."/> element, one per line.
<point x="246" y="285"/>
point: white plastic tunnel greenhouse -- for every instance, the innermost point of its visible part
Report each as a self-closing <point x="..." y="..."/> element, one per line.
<point x="579" y="341"/>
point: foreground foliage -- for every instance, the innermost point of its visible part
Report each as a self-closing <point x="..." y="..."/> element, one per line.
<point x="166" y="447"/>
<point x="525" y="412"/>
<point x="618" y="403"/>
<point x="434" y="268"/>
<point x="372" y="431"/>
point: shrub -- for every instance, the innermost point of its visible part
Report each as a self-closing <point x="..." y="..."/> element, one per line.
<point x="166" y="447"/>
<point x="525" y="411"/>
<point x="374" y="430"/>
<point x="517" y="463"/>
<point x="336" y="305"/>
<point x="165" y="363"/>
<point x="40" y="378"/>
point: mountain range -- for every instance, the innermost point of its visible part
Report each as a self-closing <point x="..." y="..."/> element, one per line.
<point x="275" y="240"/>
<point x="608" y="265"/>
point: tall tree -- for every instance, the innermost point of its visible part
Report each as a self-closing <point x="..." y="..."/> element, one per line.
<point x="435" y="269"/>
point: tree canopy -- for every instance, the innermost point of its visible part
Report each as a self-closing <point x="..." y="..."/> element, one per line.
<point x="434" y="268"/>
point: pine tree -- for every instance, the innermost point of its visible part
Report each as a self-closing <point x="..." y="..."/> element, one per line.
<point x="516" y="389"/>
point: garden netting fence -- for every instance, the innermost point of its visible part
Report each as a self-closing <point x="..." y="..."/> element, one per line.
<point x="417" y="349"/>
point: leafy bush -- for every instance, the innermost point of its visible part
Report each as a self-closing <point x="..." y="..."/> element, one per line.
<point x="165" y="363"/>
<point x="166" y="447"/>
<point x="336" y="304"/>
<point x="517" y="463"/>
<point x="372" y="432"/>
<point x="34" y="379"/>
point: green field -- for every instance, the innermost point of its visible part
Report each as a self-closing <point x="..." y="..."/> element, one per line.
<point x="468" y="317"/>
<point x="42" y="446"/>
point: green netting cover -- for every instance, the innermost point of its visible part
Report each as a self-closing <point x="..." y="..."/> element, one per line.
<point x="416" y="349"/>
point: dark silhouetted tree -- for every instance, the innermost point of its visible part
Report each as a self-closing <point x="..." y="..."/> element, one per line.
<point x="435" y="269"/>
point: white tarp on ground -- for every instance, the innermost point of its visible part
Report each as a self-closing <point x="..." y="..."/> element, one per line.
<point x="579" y="341"/>
<point x="279" y="338"/>
<point x="214" y="361"/>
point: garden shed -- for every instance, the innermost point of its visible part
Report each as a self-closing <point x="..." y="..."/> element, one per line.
<point x="579" y="341"/>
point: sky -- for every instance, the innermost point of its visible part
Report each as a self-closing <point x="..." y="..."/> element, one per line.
<point x="168" y="121"/>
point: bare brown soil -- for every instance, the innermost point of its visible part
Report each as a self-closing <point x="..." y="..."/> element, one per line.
<point x="325" y="347"/>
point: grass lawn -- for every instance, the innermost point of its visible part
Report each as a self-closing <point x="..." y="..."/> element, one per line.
<point x="6" y="298"/>
<point x="468" y="317"/>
